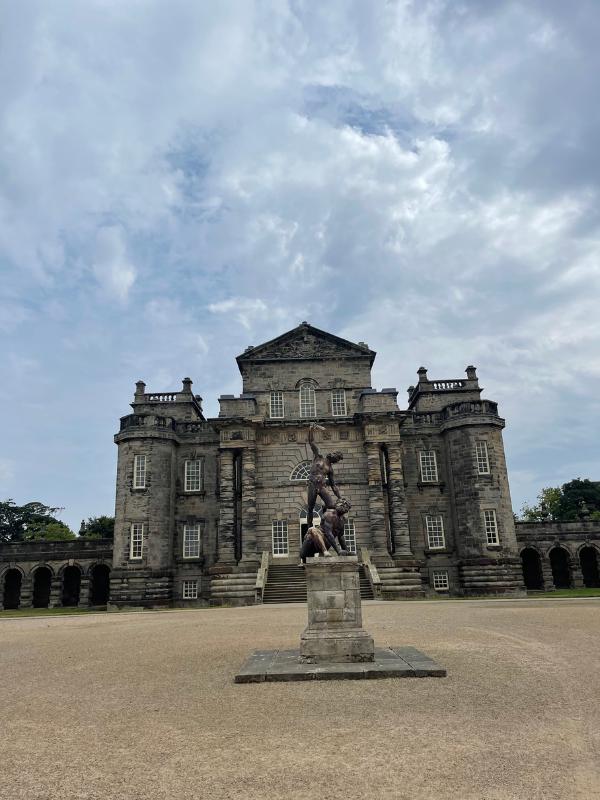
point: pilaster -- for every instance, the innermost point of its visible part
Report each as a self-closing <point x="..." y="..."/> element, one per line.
<point x="397" y="502"/>
<point x="376" y="503"/>
<point x="227" y="511"/>
<point x="249" y="552"/>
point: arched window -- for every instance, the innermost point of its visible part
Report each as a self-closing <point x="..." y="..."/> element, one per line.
<point x="301" y="471"/>
<point x="308" y="403"/>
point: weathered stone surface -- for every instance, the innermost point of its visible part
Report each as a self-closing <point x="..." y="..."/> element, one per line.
<point x="286" y="665"/>
<point x="334" y="632"/>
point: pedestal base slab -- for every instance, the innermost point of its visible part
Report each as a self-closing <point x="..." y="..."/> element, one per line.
<point x="389" y="662"/>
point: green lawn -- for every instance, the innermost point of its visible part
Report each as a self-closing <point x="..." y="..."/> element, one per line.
<point x="567" y="593"/>
<point x="46" y="612"/>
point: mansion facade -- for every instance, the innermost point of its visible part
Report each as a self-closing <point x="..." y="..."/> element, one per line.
<point x="214" y="510"/>
<point x="206" y="509"/>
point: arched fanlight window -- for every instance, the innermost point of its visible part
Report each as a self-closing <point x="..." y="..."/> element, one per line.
<point x="301" y="471"/>
<point x="308" y="403"/>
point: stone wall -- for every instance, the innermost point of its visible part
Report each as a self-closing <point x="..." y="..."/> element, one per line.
<point x="548" y="546"/>
<point x="26" y="558"/>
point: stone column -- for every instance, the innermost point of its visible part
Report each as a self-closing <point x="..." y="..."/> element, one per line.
<point x="547" y="574"/>
<point x="397" y="501"/>
<point x="249" y="552"/>
<point x="26" y="600"/>
<point x="226" y="515"/>
<point x="84" y="593"/>
<point x="376" y="504"/>
<point x="55" y="592"/>
<point x="576" y="573"/>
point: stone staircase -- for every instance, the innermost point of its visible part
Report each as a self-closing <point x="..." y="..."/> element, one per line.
<point x="398" y="582"/>
<point x="286" y="583"/>
<point x="236" y="589"/>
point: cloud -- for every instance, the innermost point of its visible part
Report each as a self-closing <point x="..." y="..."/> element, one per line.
<point x="178" y="186"/>
<point x="111" y="266"/>
<point x="242" y="309"/>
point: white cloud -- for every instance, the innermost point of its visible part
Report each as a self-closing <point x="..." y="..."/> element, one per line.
<point x="112" y="268"/>
<point x="422" y="176"/>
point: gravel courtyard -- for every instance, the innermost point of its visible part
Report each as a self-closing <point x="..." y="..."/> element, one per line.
<point x="143" y="705"/>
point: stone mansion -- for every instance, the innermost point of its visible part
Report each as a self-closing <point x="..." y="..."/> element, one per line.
<point x="205" y="507"/>
<point x="214" y="510"/>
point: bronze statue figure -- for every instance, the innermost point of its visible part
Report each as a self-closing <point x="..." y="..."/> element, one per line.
<point x="321" y="482"/>
<point x="329" y="534"/>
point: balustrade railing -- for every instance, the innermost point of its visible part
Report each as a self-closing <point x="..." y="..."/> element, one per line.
<point x="170" y="397"/>
<point x="444" y="386"/>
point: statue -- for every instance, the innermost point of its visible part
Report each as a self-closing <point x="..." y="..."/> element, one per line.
<point x="321" y="482"/>
<point x="330" y="533"/>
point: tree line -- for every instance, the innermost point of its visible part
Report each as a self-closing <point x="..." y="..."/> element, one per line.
<point x="573" y="501"/>
<point x="37" y="521"/>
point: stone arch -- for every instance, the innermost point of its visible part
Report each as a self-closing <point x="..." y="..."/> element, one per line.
<point x="307" y="382"/>
<point x="531" y="564"/>
<point x="588" y="560"/>
<point x="99" y="584"/>
<point x="11" y="588"/>
<point x="42" y="586"/>
<point x="71" y="585"/>
<point x="560" y="562"/>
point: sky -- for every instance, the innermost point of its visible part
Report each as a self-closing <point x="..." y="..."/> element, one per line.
<point x="181" y="180"/>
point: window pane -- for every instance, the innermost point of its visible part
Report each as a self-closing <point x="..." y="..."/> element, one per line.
<point x="191" y="541"/>
<point x="308" y="406"/>
<point x="440" y="580"/>
<point x="280" y="538"/>
<point x="276" y="405"/>
<point x="338" y="402"/>
<point x="491" y="527"/>
<point x="193" y="476"/>
<point x="137" y="540"/>
<point x="481" y="458"/>
<point x="350" y="535"/>
<point x="190" y="590"/>
<point x="139" y="472"/>
<point x="301" y="471"/>
<point x="435" y="532"/>
<point x="429" y="473"/>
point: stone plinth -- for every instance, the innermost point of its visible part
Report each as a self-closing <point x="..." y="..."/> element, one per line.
<point x="334" y="633"/>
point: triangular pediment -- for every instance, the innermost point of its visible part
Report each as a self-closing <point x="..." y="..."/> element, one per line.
<point x="306" y="343"/>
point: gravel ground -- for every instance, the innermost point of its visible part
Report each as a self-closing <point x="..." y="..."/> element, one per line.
<point x="143" y="705"/>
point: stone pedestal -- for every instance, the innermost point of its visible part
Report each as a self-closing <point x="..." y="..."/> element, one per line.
<point x="334" y="633"/>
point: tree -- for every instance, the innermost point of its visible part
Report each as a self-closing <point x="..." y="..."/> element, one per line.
<point x="51" y="532"/>
<point x="575" y="500"/>
<point x="102" y="527"/>
<point x="545" y="509"/>
<point x="579" y="498"/>
<point x="18" y="523"/>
